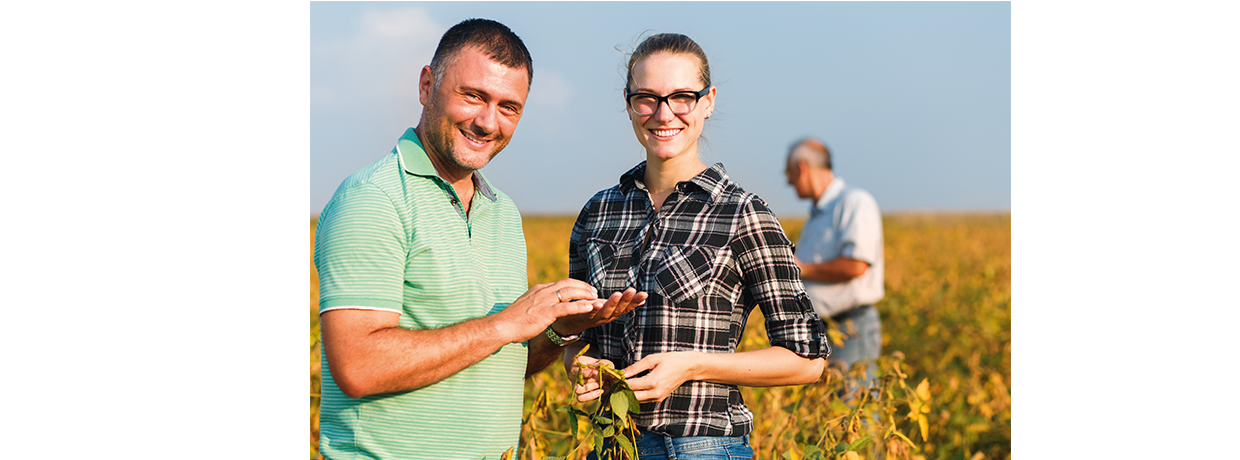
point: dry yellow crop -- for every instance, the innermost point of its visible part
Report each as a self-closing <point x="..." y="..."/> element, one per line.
<point x="945" y="386"/>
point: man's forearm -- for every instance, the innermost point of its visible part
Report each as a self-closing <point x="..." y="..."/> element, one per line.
<point x="392" y="359"/>
<point x="542" y="352"/>
<point x="836" y="270"/>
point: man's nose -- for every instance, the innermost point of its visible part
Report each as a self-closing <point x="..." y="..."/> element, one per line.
<point x="487" y="119"/>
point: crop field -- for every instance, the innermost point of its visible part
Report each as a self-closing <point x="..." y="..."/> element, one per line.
<point x="944" y="385"/>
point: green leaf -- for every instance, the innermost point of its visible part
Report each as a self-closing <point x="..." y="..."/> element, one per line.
<point x="634" y="406"/>
<point x="601" y="420"/>
<point x="627" y="446"/>
<point x="840" y="448"/>
<point x="573" y="410"/>
<point x="812" y="452"/>
<point x="860" y="442"/>
<point x="572" y="424"/>
<point x="620" y="405"/>
<point x="609" y="431"/>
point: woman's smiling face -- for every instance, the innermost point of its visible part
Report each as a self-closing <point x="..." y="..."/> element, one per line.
<point x="664" y="134"/>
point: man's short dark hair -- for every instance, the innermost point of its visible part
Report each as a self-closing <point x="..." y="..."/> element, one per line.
<point x="492" y="38"/>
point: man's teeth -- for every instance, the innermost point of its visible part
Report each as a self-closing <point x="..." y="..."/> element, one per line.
<point x="665" y="132"/>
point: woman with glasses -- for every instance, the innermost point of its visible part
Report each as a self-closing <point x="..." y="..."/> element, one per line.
<point x="705" y="252"/>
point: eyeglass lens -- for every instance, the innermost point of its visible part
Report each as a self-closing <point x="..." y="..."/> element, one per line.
<point x="680" y="103"/>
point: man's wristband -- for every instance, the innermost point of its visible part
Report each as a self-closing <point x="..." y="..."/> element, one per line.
<point x="561" y="341"/>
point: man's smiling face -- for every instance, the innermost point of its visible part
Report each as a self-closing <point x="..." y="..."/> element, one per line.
<point x="471" y="114"/>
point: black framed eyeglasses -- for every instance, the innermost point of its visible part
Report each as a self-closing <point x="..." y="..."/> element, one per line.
<point x="681" y="102"/>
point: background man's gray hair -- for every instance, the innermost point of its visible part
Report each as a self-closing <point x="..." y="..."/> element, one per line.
<point x="815" y="154"/>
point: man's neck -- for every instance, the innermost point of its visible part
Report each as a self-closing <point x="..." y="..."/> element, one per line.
<point x="821" y="183"/>
<point x="461" y="179"/>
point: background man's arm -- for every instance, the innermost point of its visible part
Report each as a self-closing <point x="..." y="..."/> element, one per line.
<point x="369" y="354"/>
<point x="836" y="270"/>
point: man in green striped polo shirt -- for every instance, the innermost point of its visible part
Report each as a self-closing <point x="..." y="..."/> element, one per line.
<point x="428" y="327"/>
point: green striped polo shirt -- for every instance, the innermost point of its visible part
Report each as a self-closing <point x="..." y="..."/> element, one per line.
<point x="394" y="237"/>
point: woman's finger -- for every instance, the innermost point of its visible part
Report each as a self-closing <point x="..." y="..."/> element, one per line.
<point x="587" y="397"/>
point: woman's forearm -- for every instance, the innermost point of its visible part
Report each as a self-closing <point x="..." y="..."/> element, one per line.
<point x="772" y="366"/>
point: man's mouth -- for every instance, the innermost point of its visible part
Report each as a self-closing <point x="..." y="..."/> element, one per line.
<point x="666" y="133"/>
<point x="474" y="138"/>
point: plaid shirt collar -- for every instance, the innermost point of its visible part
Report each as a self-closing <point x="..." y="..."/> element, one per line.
<point x="709" y="185"/>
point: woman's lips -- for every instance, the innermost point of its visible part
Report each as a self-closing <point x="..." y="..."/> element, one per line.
<point x="666" y="133"/>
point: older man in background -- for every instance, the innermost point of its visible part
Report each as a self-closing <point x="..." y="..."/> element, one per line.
<point x="840" y="253"/>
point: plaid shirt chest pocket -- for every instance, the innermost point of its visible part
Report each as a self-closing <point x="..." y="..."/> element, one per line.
<point x="609" y="264"/>
<point x="685" y="272"/>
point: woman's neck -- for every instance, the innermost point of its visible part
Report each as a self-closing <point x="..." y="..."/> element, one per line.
<point x="662" y="175"/>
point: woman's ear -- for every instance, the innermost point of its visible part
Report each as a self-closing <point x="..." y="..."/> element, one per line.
<point x="710" y="101"/>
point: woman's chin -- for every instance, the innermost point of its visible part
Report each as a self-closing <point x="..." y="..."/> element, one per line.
<point x="665" y="153"/>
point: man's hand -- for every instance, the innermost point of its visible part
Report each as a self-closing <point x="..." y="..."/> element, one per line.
<point x="543" y="352"/>
<point x="530" y="314"/>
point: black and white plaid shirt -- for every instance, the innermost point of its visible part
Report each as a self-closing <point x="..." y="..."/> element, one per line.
<point x="714" y="252"/>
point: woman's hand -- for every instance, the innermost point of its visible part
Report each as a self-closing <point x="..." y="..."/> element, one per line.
<point x="592" y="380"/>
<point x="619" y="304"/>
<point x="667" y="372"/>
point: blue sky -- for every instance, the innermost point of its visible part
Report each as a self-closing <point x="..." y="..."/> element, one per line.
<point x="914" y="98"/>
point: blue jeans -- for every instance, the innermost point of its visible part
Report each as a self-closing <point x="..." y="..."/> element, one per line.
<point x="864" y="343"/>
<point x="654" y="446"/>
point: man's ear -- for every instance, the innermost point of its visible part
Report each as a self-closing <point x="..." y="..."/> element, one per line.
<point x="802" y="166"/>
<point x="426" y="81"/>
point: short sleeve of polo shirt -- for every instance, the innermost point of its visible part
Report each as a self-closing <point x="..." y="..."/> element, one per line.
<point x="860" y="228"/>
<point x="360" y="251"/>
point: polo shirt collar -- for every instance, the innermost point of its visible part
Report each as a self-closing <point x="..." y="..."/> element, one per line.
<point x="833" y="190"/>
<point x="413" y="158"/>
<point x="713" y="181"/>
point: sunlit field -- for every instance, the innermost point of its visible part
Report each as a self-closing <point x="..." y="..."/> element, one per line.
<point x="944" y="390"/>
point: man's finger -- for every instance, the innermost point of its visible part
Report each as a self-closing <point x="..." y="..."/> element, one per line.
<point x="571" y="289"/>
